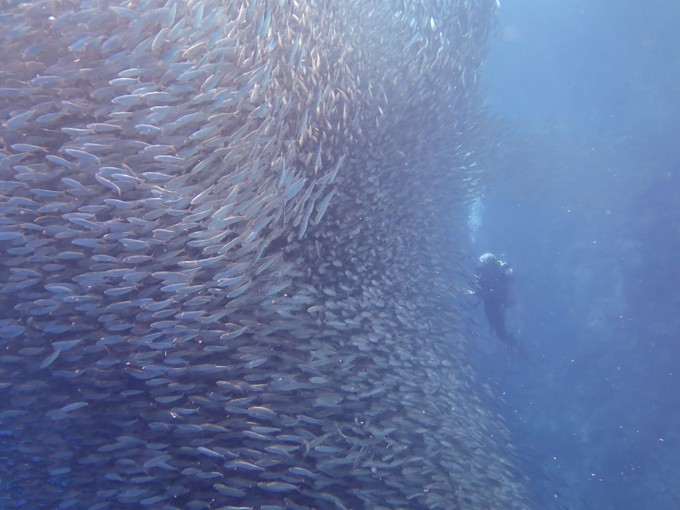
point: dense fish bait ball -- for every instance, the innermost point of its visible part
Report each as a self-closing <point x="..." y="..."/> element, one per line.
<point x="229" y="238"/>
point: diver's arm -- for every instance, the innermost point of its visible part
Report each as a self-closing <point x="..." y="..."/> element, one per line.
<point x="507" y="270"/>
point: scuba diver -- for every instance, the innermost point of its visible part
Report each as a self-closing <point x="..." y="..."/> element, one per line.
<point x="493" y="279"/>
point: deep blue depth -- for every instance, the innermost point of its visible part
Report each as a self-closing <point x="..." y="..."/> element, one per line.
<point x="583" y="199"/>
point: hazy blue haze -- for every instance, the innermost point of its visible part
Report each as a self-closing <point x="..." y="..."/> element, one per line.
<point x="583" y="199"/>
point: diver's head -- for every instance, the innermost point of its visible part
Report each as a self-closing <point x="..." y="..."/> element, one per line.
<point x="487" y="258"/>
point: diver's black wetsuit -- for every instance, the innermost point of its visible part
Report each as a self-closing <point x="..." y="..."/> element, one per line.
<point x="492" y="284"/>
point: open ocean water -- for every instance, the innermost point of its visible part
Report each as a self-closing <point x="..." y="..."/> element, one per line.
<point x="583" y="200"/>
<point x="237" y="244"/>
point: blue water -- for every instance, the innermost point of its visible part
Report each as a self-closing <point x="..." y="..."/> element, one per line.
<point x="583" y="199"/>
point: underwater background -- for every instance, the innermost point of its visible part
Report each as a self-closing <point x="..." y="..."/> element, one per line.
<point x="237" y="240"/>
<point x="583" y="201"/>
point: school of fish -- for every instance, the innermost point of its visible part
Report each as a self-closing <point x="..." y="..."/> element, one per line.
<point x="230" y="240"/>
